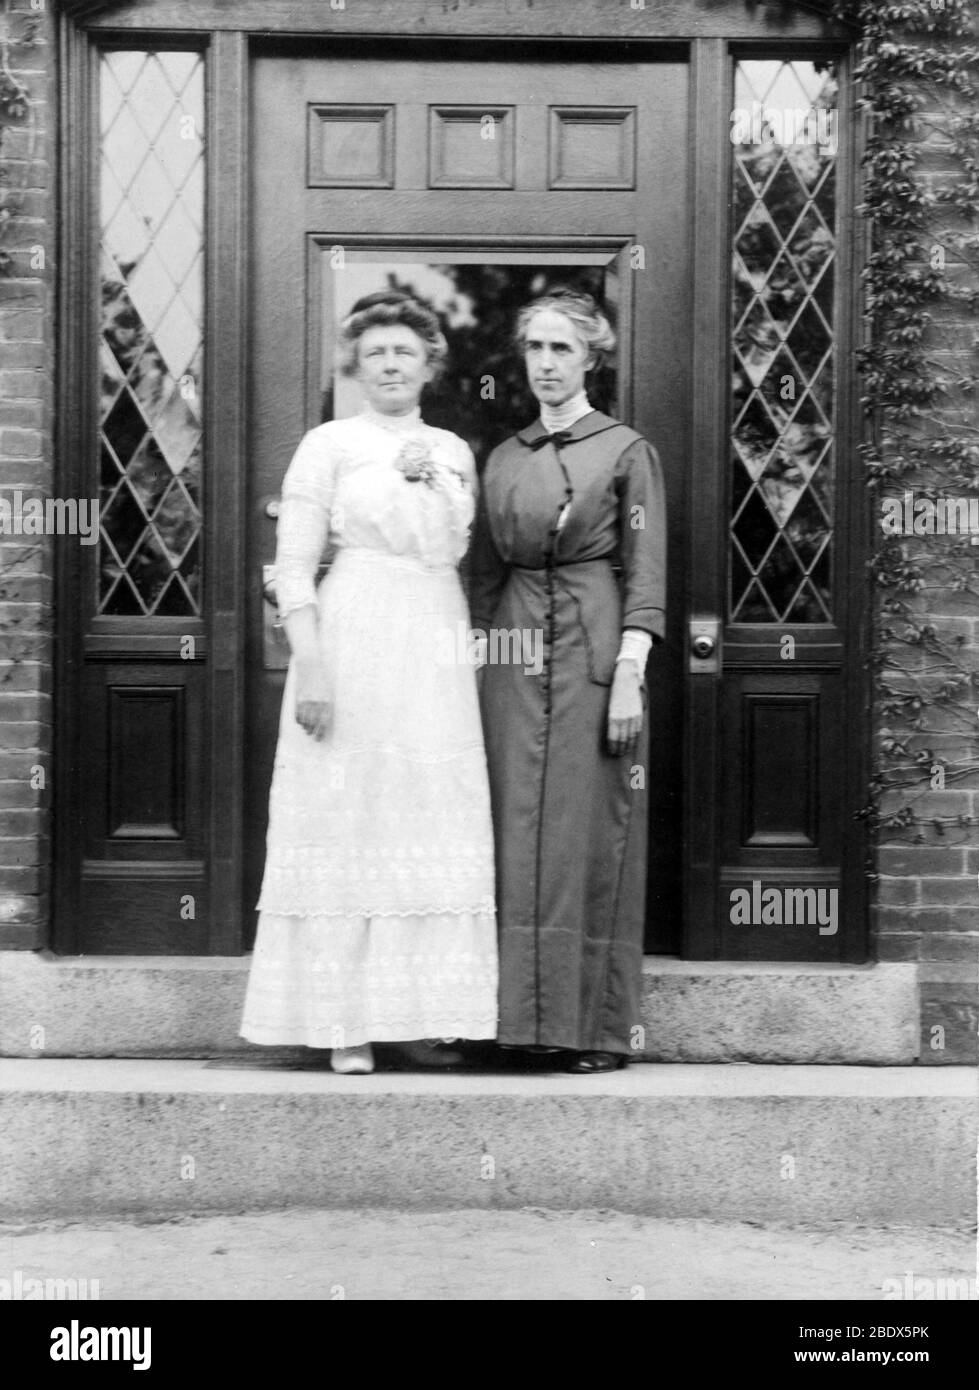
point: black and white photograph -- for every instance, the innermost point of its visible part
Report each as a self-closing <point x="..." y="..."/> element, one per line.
<point x="489" y="664"/>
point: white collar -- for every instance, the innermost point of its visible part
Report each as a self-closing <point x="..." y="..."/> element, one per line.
<point x="562" y="417"/>
<point x="397" y="424"/>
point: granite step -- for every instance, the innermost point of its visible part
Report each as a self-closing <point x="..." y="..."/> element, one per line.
<point x="738" y="1142"/>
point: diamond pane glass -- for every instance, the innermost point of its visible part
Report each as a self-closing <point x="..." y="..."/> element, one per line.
<point x="151" y="351"/>
<point x="784" y="137"/>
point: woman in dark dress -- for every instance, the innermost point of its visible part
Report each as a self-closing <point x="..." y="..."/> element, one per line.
<point x="569" y="551"/>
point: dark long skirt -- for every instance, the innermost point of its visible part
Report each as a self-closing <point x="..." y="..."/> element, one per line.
<point x="570" y="826"/>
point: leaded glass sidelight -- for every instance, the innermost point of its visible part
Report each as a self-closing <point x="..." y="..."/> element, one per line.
<point x="784" y="136"/>
<point x="152" y="218"/>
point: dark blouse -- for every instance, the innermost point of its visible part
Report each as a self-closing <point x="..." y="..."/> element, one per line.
<point x="598" y="498"/>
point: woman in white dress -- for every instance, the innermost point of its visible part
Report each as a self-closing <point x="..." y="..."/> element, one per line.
<point x="376" y="917"/>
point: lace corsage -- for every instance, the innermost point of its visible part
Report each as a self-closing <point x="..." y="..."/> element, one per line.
<point x="416" y="463"/>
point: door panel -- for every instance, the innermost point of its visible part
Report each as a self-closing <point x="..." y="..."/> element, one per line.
<point x="477" y="184"/>
<point x="781" y="829"/>
<point x="143" y="883"/>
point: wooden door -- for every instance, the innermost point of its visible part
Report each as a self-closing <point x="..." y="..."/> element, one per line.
<point x="477" y="183"/>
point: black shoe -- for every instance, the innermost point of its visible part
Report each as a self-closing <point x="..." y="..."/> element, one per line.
<point x="533" y="1058"/>
<point x="430" y="1052"/>
<point x="587" y="1062"/>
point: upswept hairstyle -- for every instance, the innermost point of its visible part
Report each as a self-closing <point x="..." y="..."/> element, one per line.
<point x="590" y="323"/>
<point x="383" y="308"/>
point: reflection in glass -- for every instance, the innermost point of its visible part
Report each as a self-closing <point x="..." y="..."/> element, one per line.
<point x="784" y="163"/>
<point x="483" y="394"/>
<point x="152" y="217"/>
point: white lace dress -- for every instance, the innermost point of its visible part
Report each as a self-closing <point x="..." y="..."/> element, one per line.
<point x="377" y="918"/>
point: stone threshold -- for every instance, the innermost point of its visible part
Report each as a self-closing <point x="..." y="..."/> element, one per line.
<point x="692" y="1011"/>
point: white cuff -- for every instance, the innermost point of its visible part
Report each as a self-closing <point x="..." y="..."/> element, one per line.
<point x="478" y="644"/>
<point x="635" y="646"/>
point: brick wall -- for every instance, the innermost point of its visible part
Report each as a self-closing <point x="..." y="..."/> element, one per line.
<point x="26" y="461"/>
<point x="927" y="899"/>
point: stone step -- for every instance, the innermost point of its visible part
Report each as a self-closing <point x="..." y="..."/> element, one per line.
<point x="693" y="1011"/>
<point x="735" y="1143"/>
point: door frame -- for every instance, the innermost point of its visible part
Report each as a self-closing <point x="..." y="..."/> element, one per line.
<point x="228" y="35"/>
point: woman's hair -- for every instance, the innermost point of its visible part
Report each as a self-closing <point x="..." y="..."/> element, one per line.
<point x="590" y="323"/>
<point x="382" y="309"/>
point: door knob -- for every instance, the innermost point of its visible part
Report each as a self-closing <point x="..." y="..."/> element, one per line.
<point x="705" y="646"/>
<point x="275" y="647"/>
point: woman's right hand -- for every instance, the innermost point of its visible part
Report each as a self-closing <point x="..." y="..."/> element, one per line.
<point x="314" y="702"/>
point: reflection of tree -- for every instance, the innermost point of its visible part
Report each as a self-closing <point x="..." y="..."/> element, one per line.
<point x="136" y="422"/>
<point x="781" y="402"/>
<point x="484" y="348"/>
<point x="133" y="351"/>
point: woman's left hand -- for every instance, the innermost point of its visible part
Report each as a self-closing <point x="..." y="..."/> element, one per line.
<point x="625" y="708"/>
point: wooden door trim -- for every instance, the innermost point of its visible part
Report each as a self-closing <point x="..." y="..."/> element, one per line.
<point x="710" y="102"/>
<point x="225" y="576"/>
<point x="73" y="431"/>
<point x="425" y="20"/>
<point x="855" y="502"/>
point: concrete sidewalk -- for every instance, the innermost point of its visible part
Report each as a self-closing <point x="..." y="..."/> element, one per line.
<point x="500" y="1255"/>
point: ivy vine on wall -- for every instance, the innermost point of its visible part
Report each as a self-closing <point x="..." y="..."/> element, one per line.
<point x="916" y="64"/>
<point x="19" y="31"/>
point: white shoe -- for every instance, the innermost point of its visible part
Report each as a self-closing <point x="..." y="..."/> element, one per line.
<point x="353" y="1061"/>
